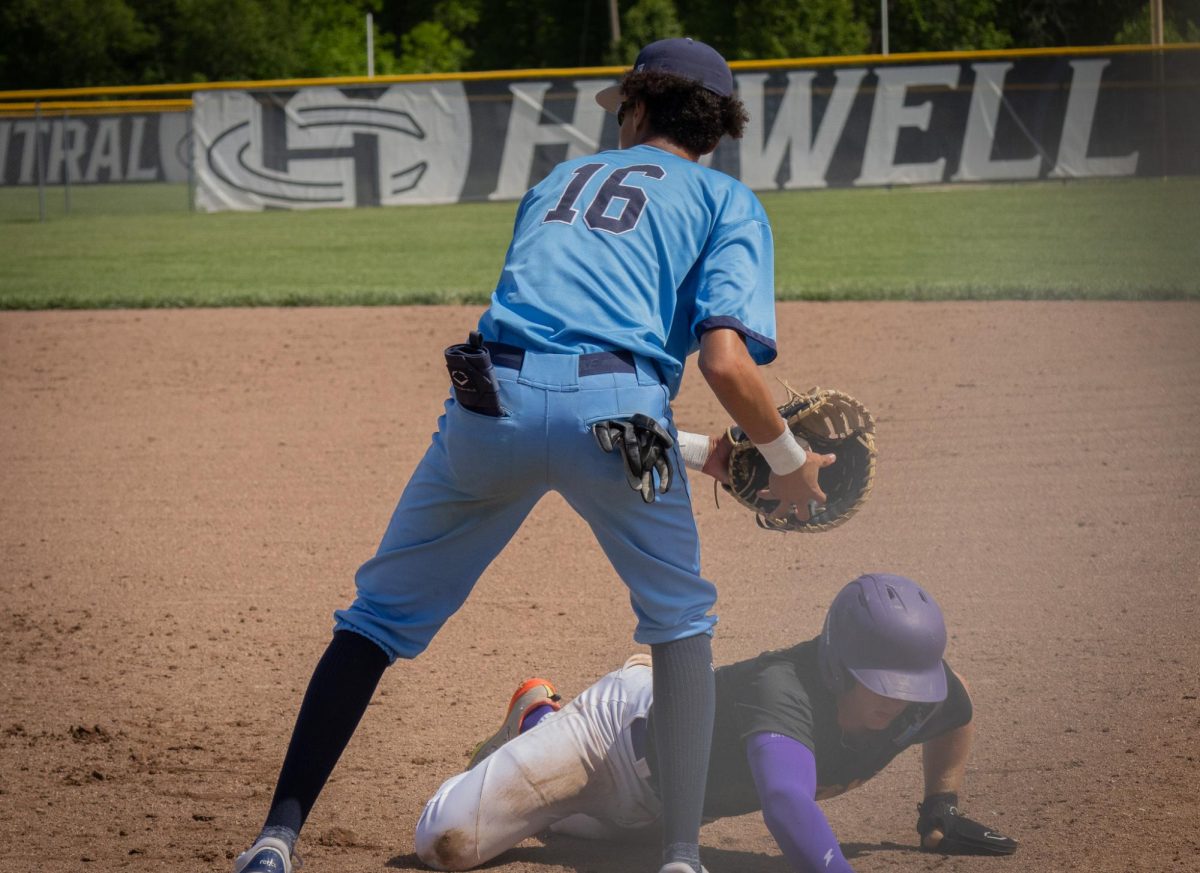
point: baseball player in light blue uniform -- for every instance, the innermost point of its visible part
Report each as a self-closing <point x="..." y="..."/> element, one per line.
<point x="483" y="474"/>
<point x="621" y="265"/>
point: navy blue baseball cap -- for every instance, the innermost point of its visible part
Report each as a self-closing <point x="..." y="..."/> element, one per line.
<point x="681" y="56"/>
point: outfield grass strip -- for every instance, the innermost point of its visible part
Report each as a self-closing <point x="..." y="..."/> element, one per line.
<point x="131" y="246"/>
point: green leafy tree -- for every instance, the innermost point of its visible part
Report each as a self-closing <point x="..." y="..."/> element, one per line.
<point x="1136" y="31"/>
<point x="945" y="25"/>
<point x="764" y="29"/>
<point x="332" y="39"/>
<point x="516" y="34"/>
<point x="644" y="21"/>
<point x="55" y="43"/>
<point x="207" y="40"/>
<point x="799" y="28"/>
<point x="430" y="47"/>
<point x="437" y="44"/>
<point x="71" y="42"/>
<point x="1035" y="23"/>
<point x="939" y="25"/>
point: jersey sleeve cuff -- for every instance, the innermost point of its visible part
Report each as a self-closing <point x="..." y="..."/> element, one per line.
<point x="762" y="348"/>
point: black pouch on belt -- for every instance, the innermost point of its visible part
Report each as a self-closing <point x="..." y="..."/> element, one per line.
<point x="473" y="377"/>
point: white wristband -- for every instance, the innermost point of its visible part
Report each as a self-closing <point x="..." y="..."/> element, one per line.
<point x="783" y="454"/>
<point x="694" y="448"/>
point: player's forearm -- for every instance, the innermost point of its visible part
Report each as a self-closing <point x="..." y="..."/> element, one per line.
<point x="735" y="380"/>
<point x="805" y="838"/>
<point x="944" y="760"/>
<point x="785" y="774"/>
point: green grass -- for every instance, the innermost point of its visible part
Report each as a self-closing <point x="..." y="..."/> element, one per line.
<point x="21" y="204"/>
<point x="1126" y="239"/>
<point x="136" y="246"/>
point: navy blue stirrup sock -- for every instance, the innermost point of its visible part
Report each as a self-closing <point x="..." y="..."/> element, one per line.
<point x="337" y="696"/>
<point x="684" y="706"/>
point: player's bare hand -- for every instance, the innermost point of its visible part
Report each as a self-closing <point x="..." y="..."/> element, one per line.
<point x="717" y="464"/>
<point x="933" y="839"/>
<point x="799" y="491"/>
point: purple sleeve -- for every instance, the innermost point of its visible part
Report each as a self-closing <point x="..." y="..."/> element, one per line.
<point x="785" y="773"/>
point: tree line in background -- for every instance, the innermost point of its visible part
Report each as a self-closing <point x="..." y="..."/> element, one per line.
<point x="65" y="43"/>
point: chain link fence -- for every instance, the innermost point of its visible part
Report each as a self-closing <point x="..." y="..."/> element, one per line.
<point x="1062" y="113"/>
<point x="62" y="158"/>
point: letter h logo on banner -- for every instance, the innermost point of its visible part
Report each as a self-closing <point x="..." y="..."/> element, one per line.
<point x="324" y="147"/>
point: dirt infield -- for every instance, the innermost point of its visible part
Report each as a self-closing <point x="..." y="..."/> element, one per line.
<point x="185" y="495"/>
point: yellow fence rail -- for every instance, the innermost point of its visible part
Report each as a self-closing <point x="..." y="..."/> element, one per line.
<point x="799" y="63"/>
<point x="93" y="107"/>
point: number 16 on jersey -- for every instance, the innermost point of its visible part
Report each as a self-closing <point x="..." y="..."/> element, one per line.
<point x="631" y="198"/>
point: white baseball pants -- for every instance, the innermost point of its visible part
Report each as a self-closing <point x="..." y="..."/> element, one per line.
<point x="576" y="769"/>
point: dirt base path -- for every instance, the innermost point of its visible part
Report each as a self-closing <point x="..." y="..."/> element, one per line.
<point x="185" y="495"/>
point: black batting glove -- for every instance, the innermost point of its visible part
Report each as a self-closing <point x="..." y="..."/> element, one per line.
<point x="960" y="835"/>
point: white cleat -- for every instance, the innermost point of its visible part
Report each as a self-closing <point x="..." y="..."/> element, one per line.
<point x="267" y="855"/>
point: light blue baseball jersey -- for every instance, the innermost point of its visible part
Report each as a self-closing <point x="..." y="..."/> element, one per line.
<point x="636" y="249"/>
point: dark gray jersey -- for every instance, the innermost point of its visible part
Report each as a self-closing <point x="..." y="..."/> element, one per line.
<point x="782" y="692"/>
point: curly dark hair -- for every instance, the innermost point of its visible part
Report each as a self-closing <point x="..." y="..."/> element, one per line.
<point x="684" y="111"/>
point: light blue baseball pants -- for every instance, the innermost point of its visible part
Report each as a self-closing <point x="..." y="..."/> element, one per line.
<point x="482" y="475"/>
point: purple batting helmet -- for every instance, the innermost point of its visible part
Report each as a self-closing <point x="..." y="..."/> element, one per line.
<point x="887" y="633"/>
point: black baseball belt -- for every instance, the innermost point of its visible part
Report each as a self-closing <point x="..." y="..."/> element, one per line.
<point x="591" y="364"/>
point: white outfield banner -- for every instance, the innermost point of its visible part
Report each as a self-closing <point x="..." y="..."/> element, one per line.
<point x="95" y="149"/>
<point x="1029" y="117"/>
<point x="322" y="147"/>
